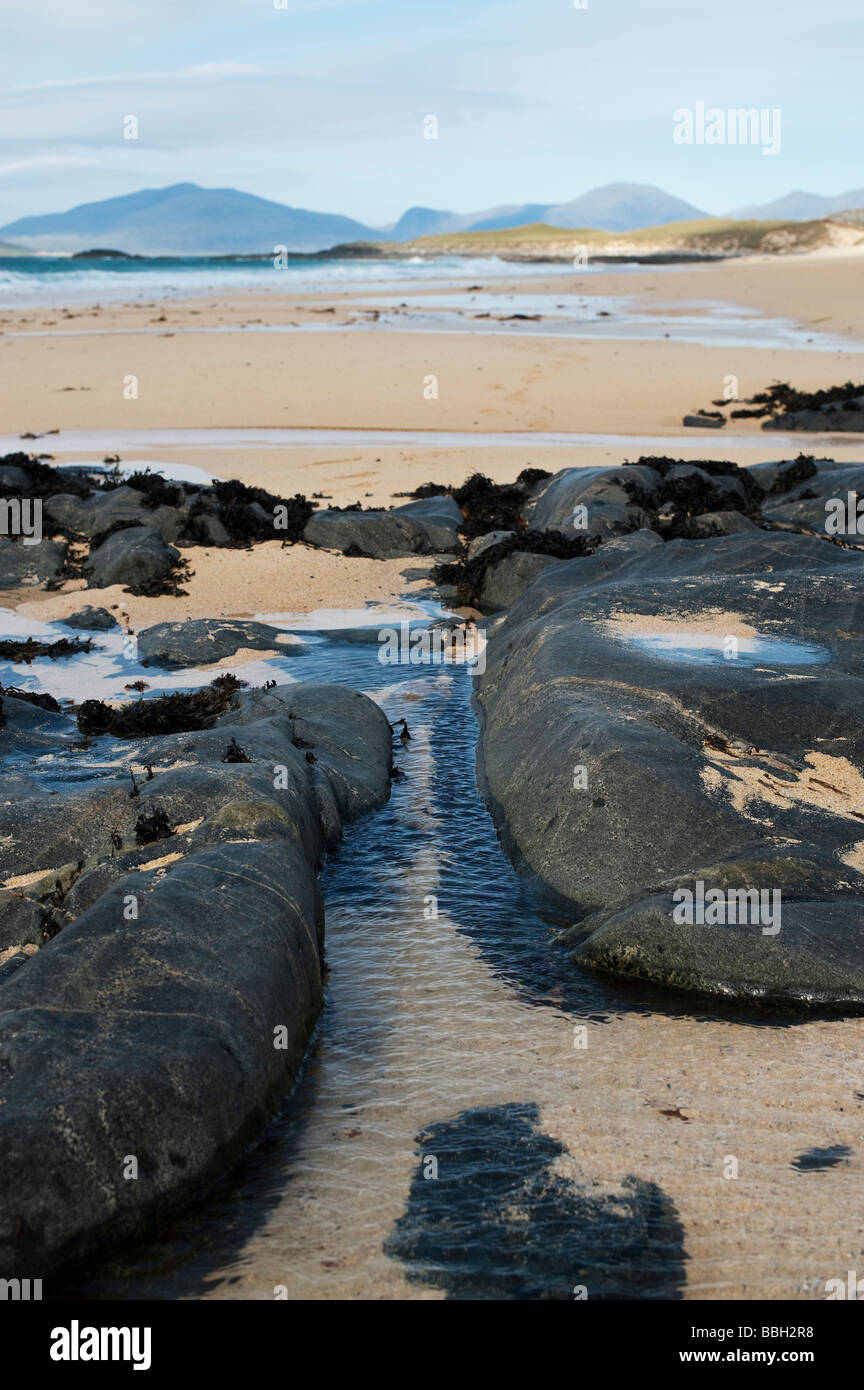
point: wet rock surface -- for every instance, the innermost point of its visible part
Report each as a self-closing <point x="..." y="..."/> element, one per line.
<point x="199" y="641"/>
<point x="179" y="971"/>
<point x="690" y="713"/>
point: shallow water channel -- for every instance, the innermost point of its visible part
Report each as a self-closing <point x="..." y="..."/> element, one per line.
<point x="478" y="1118"/>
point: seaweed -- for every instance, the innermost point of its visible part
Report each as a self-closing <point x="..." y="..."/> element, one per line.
<point x="42" y="479"/>
<point x="249" y="514"/>
<point x="33" y="697"/>
<point x="166" y="714"/>
<point x="468" y="574"/>
<point x="692" y="494"/>
<point x="155" y="491"/>
<point x="229" y="682"/>
<point x="530" y="477"/>
<point x="487" y="506"/>
<point x="29" y="650"/>
<point x="156" y="826"/>
<point x="790" y="475"/>
<point x="235" y="754"/>
<point x="780" y="399"/>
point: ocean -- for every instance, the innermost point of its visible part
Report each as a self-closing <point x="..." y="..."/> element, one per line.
<point x="60" y="280"/>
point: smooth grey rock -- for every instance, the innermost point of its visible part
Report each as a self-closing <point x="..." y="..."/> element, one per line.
<point x="29" y="564"/>
<point x="633" y="543"/>
<point x="90" y="619"/>
<point x="96" y="515"/>
<point x="804" y="505"/>
<point x="173" y="1032"/>
<point x="614" y="497"/>
<point x="13" y="479"/>
<point x="813" y="958"/>
<point x="428" y="527"/>
<point x="481" y="543"/>
<point x="703" y="422"/>
<point x="667" y="742"/>
<point x="507" y="578"/>
<point x="720" y="524"/>
<point x="200" y="641"/>
<point x="136" y="556"/>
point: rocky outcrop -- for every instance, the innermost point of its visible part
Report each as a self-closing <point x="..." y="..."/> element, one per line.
<point x="152" y="1036"/>
<point x="89" y="619"/>
<point x="29" y="564"/>
<point x="136" y="556"/>
<point x="662" y="494"/>
<point x="801" y="491"/>
<point x="508" y="577"/>
<point x="428" y="527"/>
<point x="830" y="418"/>
<point x="200" y="641"/>
<point x="690" y="714"/>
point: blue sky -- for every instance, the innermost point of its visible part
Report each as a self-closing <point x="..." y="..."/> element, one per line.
<point x="321" y="104"/>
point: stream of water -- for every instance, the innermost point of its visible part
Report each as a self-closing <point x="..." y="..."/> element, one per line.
<point x="476" y="1117"/>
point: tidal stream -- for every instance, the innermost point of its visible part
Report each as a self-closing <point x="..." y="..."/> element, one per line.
<point x="478" y="1118"/>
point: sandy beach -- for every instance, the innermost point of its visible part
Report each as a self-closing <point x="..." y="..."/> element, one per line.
<point x="330" y="364"/>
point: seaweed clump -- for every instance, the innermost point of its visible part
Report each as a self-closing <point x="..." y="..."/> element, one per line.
<point x="790" y="475"/>
<point x="468" y="574"/>
<point x="155" y="491"/>
<point x="32" y="648"/>
<point x="42" y="479"/>
<point x="167" y="714"/>
<point x="154" y="827"/>
<point x="235" y="754"/>
<point x="487" y="506"/>
<point x="250" y="514"/>
<point x="781" y="399"/>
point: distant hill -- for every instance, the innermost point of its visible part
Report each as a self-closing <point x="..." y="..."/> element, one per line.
<point x="622" y="207"/>
<point x="7" y="248"/>
<point x="427" y="222"/>
<point x="186" y="219"/>
<point x="803" y="207"/>
<point x="616" y="207"/>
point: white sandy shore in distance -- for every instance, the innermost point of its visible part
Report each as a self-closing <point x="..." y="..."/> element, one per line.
<point x="65" y="369"/>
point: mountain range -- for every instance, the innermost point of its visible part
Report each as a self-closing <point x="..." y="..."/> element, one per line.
<point x="188" y="220"/>
<point x="803" y="207"/>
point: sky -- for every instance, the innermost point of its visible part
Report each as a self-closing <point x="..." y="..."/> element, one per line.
<point x="321" y="103"/>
